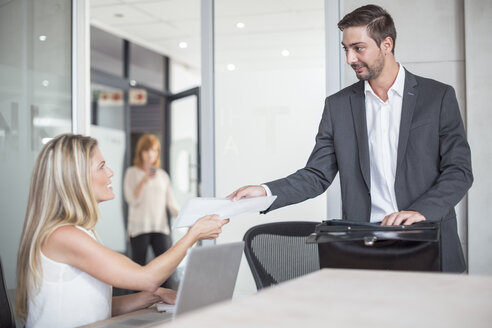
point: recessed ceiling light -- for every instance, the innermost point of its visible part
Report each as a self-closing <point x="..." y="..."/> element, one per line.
<point x="285" y="53"/>
<point x="240" y="25"/>
<point x="45" y="83"/>
<point x="42" y="38"/>
<point x="119" y="15"/>
<point x="231" y="67"/>
<point x="183" y="45"/>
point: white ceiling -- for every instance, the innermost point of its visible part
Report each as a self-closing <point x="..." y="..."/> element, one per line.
<point x="270" y="27"/>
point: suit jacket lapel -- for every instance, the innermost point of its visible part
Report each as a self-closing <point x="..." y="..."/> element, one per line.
<point x="410" y="94"/>
<point x="357" y="103"/>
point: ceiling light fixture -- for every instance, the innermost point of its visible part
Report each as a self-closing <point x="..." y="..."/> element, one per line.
<point x="240" y="25"/>
<point x="285" y="53"/>
<point x="231" y="67"/>
<point x="42" y="38"/>
<point x="183" y="45"/>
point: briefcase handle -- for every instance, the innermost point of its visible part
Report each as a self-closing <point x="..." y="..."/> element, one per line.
<point x="338" y="230"/>
<point x="344" y="226"/>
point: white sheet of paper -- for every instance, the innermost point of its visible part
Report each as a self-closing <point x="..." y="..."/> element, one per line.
<point x="195" y="208"/>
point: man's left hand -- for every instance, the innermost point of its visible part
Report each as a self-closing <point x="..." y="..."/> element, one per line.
<point x="402" y="217"/>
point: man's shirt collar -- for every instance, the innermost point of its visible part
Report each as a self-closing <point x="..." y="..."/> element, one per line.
<point x="396" y="88"/>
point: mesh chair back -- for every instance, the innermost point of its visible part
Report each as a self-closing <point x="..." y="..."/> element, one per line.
<point x="277" y="251"/>
<point x="6" y="317"/>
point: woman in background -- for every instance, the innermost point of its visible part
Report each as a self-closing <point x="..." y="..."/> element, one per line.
<point x="148" y="193"/>
<point x="64" y="273"/>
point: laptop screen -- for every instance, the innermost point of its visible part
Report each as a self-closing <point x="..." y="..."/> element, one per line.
<point x="209" y="277"/>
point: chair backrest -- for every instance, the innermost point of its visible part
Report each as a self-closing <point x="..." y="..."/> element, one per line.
<point x="277" y="251"/>
<point x="6" y="317"/>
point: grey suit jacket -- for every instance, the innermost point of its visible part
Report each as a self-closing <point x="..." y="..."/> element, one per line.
<point x="433" y="162"/>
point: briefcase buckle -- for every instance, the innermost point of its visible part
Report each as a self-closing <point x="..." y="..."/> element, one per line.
<point x="369" y="240"/>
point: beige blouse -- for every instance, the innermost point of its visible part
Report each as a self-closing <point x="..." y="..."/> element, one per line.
<point x="147" y="213"/>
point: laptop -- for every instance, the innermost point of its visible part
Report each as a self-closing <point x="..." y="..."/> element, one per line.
<point x="209" y="277"/>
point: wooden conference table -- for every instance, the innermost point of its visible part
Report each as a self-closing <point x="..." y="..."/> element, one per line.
<point x="351" y="298"/>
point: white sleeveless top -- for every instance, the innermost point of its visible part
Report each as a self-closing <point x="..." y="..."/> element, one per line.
<point x="68" y="297"/>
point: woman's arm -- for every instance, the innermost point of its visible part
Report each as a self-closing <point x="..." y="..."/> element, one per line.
<point x="138" y="189"/>
<point x="72" y="246"/>
<point x="133" y="302"/>
<point x="132" y="185"/>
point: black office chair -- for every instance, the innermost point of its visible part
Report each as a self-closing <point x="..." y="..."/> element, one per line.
<point x="277" y="251"/>
<point x="6" y="317"/>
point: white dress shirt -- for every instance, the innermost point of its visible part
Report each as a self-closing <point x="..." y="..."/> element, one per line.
<point x="383" y="131"/>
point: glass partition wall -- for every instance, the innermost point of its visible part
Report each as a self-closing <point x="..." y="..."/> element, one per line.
<point x="145" y="62"/>
<point x="269" y="96"/>
<point x="35" y="103"/>
<point x="131" y="93"/>
<point x="267" y="55"/>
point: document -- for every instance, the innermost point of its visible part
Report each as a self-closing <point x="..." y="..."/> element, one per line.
<point x="195" y="208"/>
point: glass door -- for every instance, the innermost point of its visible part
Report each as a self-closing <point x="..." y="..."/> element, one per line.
<point x="183" y="147"/>
<point x="184" y="144"/>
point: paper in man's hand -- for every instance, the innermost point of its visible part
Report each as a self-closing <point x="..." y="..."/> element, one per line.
<point x="197" y="207"/>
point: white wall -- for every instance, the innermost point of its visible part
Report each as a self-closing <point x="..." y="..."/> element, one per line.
<point x="478" y="22"/>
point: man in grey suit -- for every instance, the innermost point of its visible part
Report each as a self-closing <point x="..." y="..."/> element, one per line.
<point x="396" y="139"/>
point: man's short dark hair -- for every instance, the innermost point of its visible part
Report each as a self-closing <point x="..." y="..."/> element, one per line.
<point x="379" y="23"/>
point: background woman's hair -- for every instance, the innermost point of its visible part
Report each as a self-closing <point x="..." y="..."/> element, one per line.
<point x="60" y="194"/>
<point x="146" y="142"/>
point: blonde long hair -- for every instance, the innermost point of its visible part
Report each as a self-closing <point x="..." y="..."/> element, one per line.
<point x="146" y="142"/>
<point x="60" y="194"/>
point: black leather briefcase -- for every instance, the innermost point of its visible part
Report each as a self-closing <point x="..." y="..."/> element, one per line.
<point x="355" y="245"/>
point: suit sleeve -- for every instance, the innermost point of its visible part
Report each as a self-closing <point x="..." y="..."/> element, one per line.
<point x="316" y="176"/>
<point x="455" y="176"/>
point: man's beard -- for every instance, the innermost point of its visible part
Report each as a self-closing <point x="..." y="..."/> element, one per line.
<point x="372" y="72"/>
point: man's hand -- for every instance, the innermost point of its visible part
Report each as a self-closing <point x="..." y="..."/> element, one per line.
<point x="247" y="191"/>
<point x="402" y="217"/>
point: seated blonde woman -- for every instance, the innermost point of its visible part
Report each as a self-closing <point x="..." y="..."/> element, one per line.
<point x="64" y="273"/>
